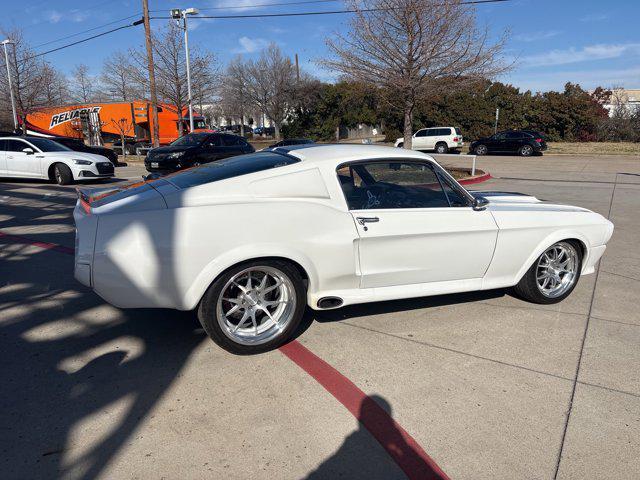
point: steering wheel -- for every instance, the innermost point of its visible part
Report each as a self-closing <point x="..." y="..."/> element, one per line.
<point x="384" y="195"/>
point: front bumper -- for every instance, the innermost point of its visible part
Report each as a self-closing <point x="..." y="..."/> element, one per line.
<point x="163" y="166"/>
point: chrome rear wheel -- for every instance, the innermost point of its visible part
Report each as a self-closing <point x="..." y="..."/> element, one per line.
<point x="256" y="305"/>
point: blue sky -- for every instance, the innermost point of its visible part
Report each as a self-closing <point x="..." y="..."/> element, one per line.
<point x="551" y="42"/>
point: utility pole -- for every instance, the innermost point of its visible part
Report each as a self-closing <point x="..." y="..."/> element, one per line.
<point x="182" y="15"/>
<point x="495" y="126"/>
<point x="297" y="69"/>
<point x="155" y="140"/>
<point x="13" y="101"/>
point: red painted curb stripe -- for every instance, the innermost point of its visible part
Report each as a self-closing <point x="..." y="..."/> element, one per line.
<point x="401" y="446"/>
<point x="480" y="179"/>
<point x="36" y="243"/>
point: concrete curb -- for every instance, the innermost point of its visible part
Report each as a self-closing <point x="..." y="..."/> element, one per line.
<point x="476" y="179"/>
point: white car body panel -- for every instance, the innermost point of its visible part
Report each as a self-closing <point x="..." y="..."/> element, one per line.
<point x="36" y="165"/>
<point x="420" y="141"/>
<point x="161" y="246"/>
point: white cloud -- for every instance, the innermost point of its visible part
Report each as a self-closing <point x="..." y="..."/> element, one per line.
<point x="78" y="16"/>
<point x="536" y="36"/>
<point x="250" y="45"/>
<point x="586" y="78"/>
<point x="595" y="17"/>
<point x="240" y="5"/>
<point x="575" y="55"/>
<point x="54" y="16"/>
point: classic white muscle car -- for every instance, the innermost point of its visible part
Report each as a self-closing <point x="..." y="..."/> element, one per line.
<point x="250" y="241"/>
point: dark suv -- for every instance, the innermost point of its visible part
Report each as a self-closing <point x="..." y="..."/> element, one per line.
<point x="195" y="149"/>
<point x="523" y="142"/>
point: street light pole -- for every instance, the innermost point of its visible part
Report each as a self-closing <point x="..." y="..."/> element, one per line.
<point x="186" y="48"/>
<point x="182" y="14"/>
<point x="13" y="102"/>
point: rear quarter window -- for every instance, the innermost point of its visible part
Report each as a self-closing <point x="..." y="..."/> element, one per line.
<point x="229" y="168"/>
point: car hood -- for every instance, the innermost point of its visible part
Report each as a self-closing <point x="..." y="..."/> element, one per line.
<point x="520" y="201"/>
<point x="77" y="155"/>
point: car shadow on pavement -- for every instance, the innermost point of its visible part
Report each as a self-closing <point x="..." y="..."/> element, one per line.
<point x="78" y="376"/>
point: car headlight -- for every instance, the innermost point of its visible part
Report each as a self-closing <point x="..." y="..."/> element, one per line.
<point x="82" y="162"/>
<point x="175" y="155"/>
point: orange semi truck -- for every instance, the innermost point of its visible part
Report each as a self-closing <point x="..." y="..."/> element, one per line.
<point x="134" y="119"/>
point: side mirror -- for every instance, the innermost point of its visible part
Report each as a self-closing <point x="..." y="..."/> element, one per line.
<point x="28" y="150"/>
<point x="480" y="203"/>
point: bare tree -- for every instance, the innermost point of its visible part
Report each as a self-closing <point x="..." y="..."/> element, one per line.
<point x="407" y="46"/>
<point x="271" y="82"/>
<point x="117" y="80"/>
<point x="82" y="83"/>
<point x="125" y="128"/>
<point x="171" y="76"/>
<point x="233" y="93"/>
<point x="36" y="83"/>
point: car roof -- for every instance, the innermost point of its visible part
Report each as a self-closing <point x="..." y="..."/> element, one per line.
<point x="340" y="153"/>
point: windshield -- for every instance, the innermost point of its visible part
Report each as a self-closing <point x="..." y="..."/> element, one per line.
<point x="191" y="140"/>
<point x="47" y="145"/>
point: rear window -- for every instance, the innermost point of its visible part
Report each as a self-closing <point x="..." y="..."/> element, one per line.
<point x="229" y="168"/>
<point x="458" y="132"/>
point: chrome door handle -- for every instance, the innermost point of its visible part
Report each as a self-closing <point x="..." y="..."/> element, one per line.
<point x="364" y="220"/>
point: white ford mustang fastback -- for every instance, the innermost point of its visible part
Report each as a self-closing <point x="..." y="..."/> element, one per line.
<point x="250" y="241"/>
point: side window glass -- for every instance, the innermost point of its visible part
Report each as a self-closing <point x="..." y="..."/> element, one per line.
<point x="514" y="135"/>
<point x="15" y="146"/>
<point x="499" y="136"/>
<point x="392" y="185"/>
<point x="445" y="131"/>
<point x="432" y="132"/>
<point x="454" y="197"/>
<point x="421" y="133"/>
<point x="213" y="141"/>
<point x="231" y="140"/>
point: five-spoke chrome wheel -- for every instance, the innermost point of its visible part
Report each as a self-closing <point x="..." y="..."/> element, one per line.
<point x="557" y="269"/>
<point x="256" y="305"/>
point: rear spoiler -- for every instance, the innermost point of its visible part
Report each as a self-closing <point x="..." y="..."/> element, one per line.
<point x="87" y="198"/>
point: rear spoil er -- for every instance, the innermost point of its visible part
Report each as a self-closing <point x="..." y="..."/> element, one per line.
<point x="403" y="449"/>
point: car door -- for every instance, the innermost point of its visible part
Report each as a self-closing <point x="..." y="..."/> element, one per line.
<point x="430" y="138"/>
<point x="3" y="159"/>
<point x="212" y="148"/>
<point x="415" y="224"/>
<point x="232" y="145"/>
<point x="497" y="143"/>
<point x="513" y="141"/>
<point x="21" y="164"/>
<point x="419" y="141"/>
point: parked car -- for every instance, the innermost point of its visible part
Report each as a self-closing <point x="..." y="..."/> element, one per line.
<point x="79" y="146"/>
<point x="439" y="139"/>
<point x="250" y="241"/>
<point x="292" y="141"/>
<point x="38" y="157"/>
<point x="195" y="149"/>
<point x="523" y="142"/>
<point x="268" y="131"/>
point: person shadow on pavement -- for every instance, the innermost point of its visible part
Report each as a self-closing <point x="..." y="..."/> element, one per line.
<point x="379" y="449"/>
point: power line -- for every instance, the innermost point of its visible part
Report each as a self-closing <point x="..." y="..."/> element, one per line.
<point x="264" y="15"/>
<point x="85" y="40"/>
<point x="232" y="7"/>
<point x="88" y="30"/>
<point x="328" y="12"/>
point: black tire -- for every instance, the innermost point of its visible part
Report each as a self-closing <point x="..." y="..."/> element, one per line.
<point x="525" y="151"/>
<point x="62" y="174"/>
<point x="480" y="150"/>
<point x="130" y="149"/>
<point x="401" y="145"/>
<point x="442" y="148"/>
<point x="207" y="309"/>
<point x="527" y="287"/>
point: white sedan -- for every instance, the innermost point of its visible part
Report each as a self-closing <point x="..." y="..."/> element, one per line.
<point x="37" y="157"/>
<point x="250" y="241"/>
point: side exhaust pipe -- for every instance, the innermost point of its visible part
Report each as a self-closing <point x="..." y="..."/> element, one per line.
<point x="329" y="302"/>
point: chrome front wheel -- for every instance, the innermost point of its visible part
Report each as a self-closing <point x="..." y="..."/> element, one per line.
<point x="557" y="269"/>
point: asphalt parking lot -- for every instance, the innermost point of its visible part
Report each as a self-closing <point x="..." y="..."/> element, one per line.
<point x="479" y="386"/>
